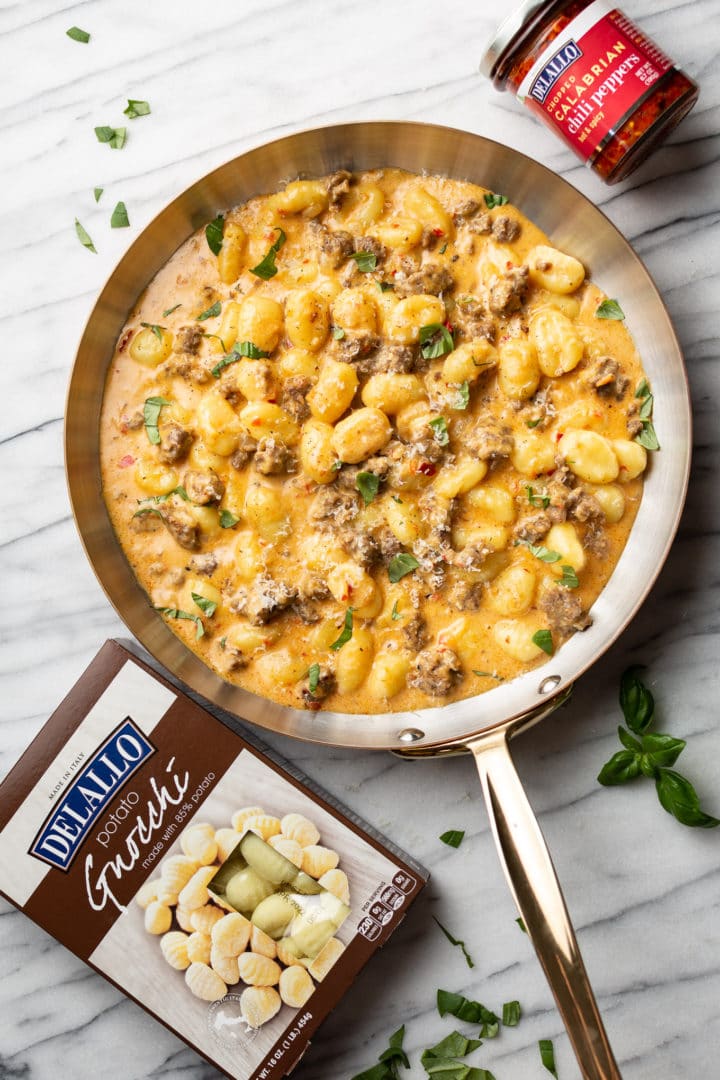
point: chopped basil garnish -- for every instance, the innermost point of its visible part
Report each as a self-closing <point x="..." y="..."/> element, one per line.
<point x="453" y="838"/>
<point x="208" y="607"/>
<point x="239" y="349"/>
<point x="346" y="632"/>
<point x="365" y="260"/>
<point x="214" y="234"/>
<point x="84" y="237"/>
<point x="492" y="200"/>
<point x="313" y="677"/>
<point x="540" y="502"/>
<point x="543" y="640"/>
<point x="456" y="941"/>
<point x="440" y="430"/>
<point x="151" y="415"/>
<point x="368" y="484"/>
<point x="643" y="389"/>
<point x="463" y="399"/>
<point x="169" y="311"/>
<point x="647" y="437"/>
<point x="397" y="499"/>
<point x="569" y="578"/>
<point x="176" y="613"/>
<point x="157" y="330"/>
<point x="222" y="642"/>
<point x="651" y="755"/>
<point x="389" y="1060"/>
<point x="532" y="423"/>
<point x="511" y="1013"/>
<point x="395" y="614"/>
<point x="336" y="466"/>
<point x="78" y="35"/>
<point x="160" y="499"/>
<point x="338" y="333"/>
<point x="541" y="552"/>
<point x="488" y="675"/>
<point x="210" y="313"/>
<point x="97" y="192"/>
<point x="443" y="249"/>
<point x="435" y="340"/>
<point x="386" y="286"/>
<point x="266" y="268"/>
<point x="609" y="309"/>
<point x="521" y="924"/>
<point x="119" y="218"/>
<point x="547" y="1055"/>
<point x="114" y="137"/>
<point x="228" y="519"/>
<point x="400" y="565"/>
<point x="441" y="1060"/>
<point x="136" y="108"/>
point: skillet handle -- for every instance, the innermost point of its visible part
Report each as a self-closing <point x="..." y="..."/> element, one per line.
<point x="534" y="884"/>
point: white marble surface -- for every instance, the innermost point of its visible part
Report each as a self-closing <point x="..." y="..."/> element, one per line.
<point x="644" y="892"/>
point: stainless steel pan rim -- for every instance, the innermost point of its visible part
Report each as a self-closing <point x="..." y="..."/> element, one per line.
<point x="574" y="224"/>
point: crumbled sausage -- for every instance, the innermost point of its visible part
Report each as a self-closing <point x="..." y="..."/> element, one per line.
<point x="482" y="224"/>
<point x="433" y="560"/>
<point x="242" y="453"/>
<point x="472" y="556"/>
<point x="371" y="245"/>
<point x="265" y="599"/>
<point x="176" y="442"/>
<point x="338" y="246"/>
<point x="203" y="564"/>
<point x="564" y="611"/>
<point x="180" y="522"/>
<point x="332" y="508"/>
<point x="362" y="546"/>
<point x="471" y="320"/>
<point x="431" y="279"/>
<point x="466" y="209"/>
<point x="273" y="456"/>
<point x="325" y="684"/>
<point x="395" y="359"/>
<point x="338" y="186"/>
<point x="606" y="376"/>
<point x="533" y="528"/>
<point x="430" y="238"/>
<point x="133" y="422"/>
<point x="465" y="595"/>
<point x="388" y="543"/>
<point x="437" y="514"/>
<point x="505" y="229"/>
<point x="293" y="399"/>
<point x="358" y="349"/>
<point x="347" y="476"/>
<point x="634" y="426"/>
<point x="415" y="631"/>
<point x="595" y="541"/>
<point x="489" y="438"/>
<point x="583" y="506"/>
<point x="188" y="339"/>
<point x="508" y="293"/>
<point x="312" y="587"/>
<point x="203" y="487"/>
<point x="435" y="671"/>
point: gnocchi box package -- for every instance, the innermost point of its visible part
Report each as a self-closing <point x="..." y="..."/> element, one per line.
<point x="217" y="889"/>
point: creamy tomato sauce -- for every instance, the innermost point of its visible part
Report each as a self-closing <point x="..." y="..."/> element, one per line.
<point x="377" y="450"/>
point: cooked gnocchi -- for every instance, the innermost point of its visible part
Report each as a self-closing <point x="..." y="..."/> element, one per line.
<point x="385" y="405"/>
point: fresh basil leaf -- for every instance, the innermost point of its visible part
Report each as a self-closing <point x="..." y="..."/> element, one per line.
<point x="623" y="766"/>
<point x="609" y="309"/>
<point x="547" y="1055"/>
<point x="104" y="133"/>
<point x="451" y="1047"/>
<point x="145" y="510"/>
<point x="540" y="502"/>
<point x="648" y="767"/>
<point x="628" y="742"/>
<point x="313" y="677"/>
<point x="368" y="484"/>
<point x="443" y="249"/>
<point x="543" y="640"/>
<point x="164" y="498"/>
<point x="400" y="565"/>
<point x="157" y="330"/>
<point x="210" y="313"/>
<point x="208" y="607"/>
<point x="114" y="137"/>
<point x="136" y="108"/>
<point x="643" y="389"/>
<point x="395" y="614"/>
<point x="648" y="436"/>
<point x="521" y="924"/>
<point x="227" y="519"/>
<point x="266" y="268"/>
<point x="440" y="430"/>
<point x="490" y="1029"/>
<point x="532" y="423"/>
<point x="346" y="633"/>
<point x="338" y="333"/>
<point x="169" y="311"/>
<point x="463" y="399"/>
<point x="214" y="234"/>
<point x="78" y="35"/>
<point x="569" y="578"/>
<point x="663" y="749"/>
<point x="97" y="192"/>
<point x="119" y="218"/>
<point x="488" y="675"/>
<point x="435" y="340"/>
<point x="679" y="798"/>
<point x="397" y="499"/>
<point x="151" y="416"/>
<point x="386" y="286"/>
<point x="464" y="1009"/>
<point x="492" y="200"/>
<point x="511" y="1013"/>
<point x="336" y="466"/>
<point x="84" y="237"/>
<point x="455" y="941"/>
<point x="176" y="613"/>
<point x="542" y="553"/>
<point x="636" y="701"/>
<point x="389" y="1061"/>
<point x="453" y="837"/>
<point x="365" y="261"/>
<point x="647" y="407"/>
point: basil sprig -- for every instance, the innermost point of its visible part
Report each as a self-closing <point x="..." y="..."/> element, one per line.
<point x="239" y="349"/>
<point x="609" y="309"/>
<point x="647" y="437"/>
<point x="651" y="754"/>
<point x="346" y="633"/>
<point x="214" y="234"/>
<point x="435" y="340"/>
<point x="151" y="416"/>
<point x="459" y="944"/>
<point x="266" y="268"/>
<point x="389" y="1061"/>
<point x="176" y="613"/>
<point x="453" y="838"/>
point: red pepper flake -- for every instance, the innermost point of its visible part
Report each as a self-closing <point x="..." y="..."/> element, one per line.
<point x="559" y="435"/>
<point x="124" y="340"/>
<point x="126" y="462"/>
<point x="509" y="265"/>
<point x="272" y="400"/>
<point x="427" y="468"/>
<point x="256" y="422"/>
<point x="449" y="326"/>
<point x="438" y="232"/>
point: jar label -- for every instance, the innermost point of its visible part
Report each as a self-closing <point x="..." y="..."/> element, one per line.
<point x="592" y="77"/>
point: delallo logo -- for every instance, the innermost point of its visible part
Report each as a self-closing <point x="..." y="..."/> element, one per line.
<point x="560" y="62"/>
<point x="67" y="826"/>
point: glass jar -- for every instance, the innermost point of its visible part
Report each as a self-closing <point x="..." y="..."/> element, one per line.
<point x="592" y="76"/>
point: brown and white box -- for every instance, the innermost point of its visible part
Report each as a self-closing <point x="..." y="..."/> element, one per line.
<point x="212" y="886"/>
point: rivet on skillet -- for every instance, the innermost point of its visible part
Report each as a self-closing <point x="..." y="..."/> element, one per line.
<point x="411" y="734"/>
<point x="549" y="684"/>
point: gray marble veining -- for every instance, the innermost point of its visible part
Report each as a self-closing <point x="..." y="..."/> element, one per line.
<point x="644" y="892"/>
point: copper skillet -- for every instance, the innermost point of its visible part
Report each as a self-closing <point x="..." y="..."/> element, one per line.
<point x="481" y="725"/>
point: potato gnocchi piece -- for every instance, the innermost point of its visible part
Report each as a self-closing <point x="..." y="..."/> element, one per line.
<point x="336" y="882"/>
<point x="326" y="958"/>
<point x="226" y="966"/>
<point x="147" y="892"/>
<point x="204" y="918"/>
<point x="297" y="827"/>
<point x="226" y="840"/>
<point x="198" y="947"/>
<point x="198" y="843"/>
<point x="265" y="825"/>
<point x="289" y="849"/>
<point x="240" y="816"/>
<point x="195" y="894"/>
<point x="295" y="986"/>
<point x="317" y="860"/>
<point x="258" y="970"/>
<point x="158" y="918"/>
<point x="259" y="1004"/>
<point x="262" y="944"/>
<point x="204" y="983"/>
<point x="183" y="917"/>
<point x="173" y="946"/>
